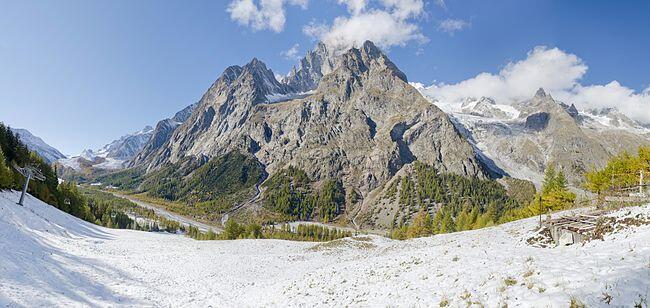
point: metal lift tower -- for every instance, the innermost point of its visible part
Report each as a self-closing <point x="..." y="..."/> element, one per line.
<point x="28" y="172"/>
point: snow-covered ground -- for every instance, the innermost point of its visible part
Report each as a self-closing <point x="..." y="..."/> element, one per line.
<point x="49" y="258"/>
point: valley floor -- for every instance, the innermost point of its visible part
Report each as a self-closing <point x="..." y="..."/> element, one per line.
<point x="49" y="258"/>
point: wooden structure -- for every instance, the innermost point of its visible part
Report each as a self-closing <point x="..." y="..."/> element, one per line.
<point x="568" y="230"/>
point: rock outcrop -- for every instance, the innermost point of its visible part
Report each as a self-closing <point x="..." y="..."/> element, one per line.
<point x="362" y="122"/>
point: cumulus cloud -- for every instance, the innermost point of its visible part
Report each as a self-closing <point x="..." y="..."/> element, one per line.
<point x="634" y="105"/>
<point x="452" y="26"/>
<point x="559" y="73"/>
<point x="269" y="14"/>
<point x="354" y="6"/>
<point x="291" y="53"/>
<point x="403" y="9"/>
<point x="315" y="29"/>
<point x="388" y="23"/>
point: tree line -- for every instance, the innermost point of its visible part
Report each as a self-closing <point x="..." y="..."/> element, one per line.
<point x="446" y="203"/>
<point x="289" y="192"/>
<point x="621" y="171"/>
<point x="14" y="151"/>
<point x="302" y="232"/>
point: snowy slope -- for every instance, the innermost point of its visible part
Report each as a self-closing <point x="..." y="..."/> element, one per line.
<point x="49" y="258"/>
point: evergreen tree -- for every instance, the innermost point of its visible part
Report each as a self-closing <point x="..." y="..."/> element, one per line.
<point x="421" y="225"/>
<point x="447" y="225"/>
<point x="6" y="176"/>
<point x="550" y="179"/>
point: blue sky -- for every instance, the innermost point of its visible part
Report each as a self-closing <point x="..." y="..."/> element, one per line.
<point x="82" y="73"/>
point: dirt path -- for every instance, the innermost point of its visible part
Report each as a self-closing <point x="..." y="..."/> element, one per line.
<point x="186" y="221"/>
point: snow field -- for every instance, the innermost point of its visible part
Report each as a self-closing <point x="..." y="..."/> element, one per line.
<point x="49" y="258"/>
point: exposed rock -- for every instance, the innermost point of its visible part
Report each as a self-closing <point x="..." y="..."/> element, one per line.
<point x="362" y="123"/>
<point x="549" y="132"/>
<point x="316" y="64"/>
<point x="537" y="121"/>
<point x="165" y="128"/>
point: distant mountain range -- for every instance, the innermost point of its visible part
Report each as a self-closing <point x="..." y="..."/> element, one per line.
<point x="111" y="156"/>
<point x="349" y="127"/>
<point x="521" y="139"/>
<point x="36" y="144"/>
<point x="119" y="153"/>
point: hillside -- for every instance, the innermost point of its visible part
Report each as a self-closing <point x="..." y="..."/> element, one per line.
<point x="36" y="144"/>
<point x="50" y="258"/>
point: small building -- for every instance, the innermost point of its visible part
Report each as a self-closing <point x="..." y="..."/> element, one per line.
<point x="568" y="230"/>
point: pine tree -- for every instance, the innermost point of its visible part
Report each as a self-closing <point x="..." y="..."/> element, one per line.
<point x="421" y="225"/>
<point x="6" y="176"/>
<point x="447" y="225"/>
<point x="550" y="179"/>
<point x="560" y="181"/>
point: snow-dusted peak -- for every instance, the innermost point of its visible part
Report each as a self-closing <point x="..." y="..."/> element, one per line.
<point x="113" y="155"/>
<point x="611" y="118"/>
<point x="36" y="144"/>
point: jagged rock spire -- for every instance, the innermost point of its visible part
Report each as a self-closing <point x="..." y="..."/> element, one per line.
<point x="368" y="55"/>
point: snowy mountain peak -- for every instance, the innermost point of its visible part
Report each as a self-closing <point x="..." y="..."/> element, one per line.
<point x="610" y="117"/>
<point x="113" y="155"/>
<point x="540" y="93"/>
<point x="36" y="144"/>
<point x="147" y="129"/>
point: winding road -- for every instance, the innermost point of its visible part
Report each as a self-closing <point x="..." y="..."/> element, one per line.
<point x="170" y="215"/>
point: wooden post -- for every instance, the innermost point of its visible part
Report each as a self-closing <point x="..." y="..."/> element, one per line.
<point x="641" y="183"/>
<point x="541" y="210"/>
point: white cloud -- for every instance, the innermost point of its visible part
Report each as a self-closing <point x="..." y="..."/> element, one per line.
<point x="269" y="14"/>
<point x="291" y="53"/>
<point x="451" y="26"/>
<point x="315" y="30"/>
<point x="551" y="69"/>
<point x="386" y="25"/>
<point x="377" y="26"/>
<point x="634" y="105"/>
<point x="403" y="9"/>
<point x="559" y="73"/>
<point x="441" y="4"/>
<point x="355" y="7"/>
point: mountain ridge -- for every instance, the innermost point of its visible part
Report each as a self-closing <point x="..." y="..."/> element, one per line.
<point x="360" y="125"/>
<point x="36" y="144"/>
<point x="524" y="137"/>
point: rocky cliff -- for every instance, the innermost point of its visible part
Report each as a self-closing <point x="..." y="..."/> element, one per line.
<point x="361" y="121"/>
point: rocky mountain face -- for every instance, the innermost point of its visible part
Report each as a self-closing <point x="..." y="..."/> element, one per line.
<point x="521" y="139"/>
<point x="127" y="146"/>
<point x="307" y="74"/>
<point x="36" y="144"/>
<point x="161" y="134"/>
<point x="360" y="122"/>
